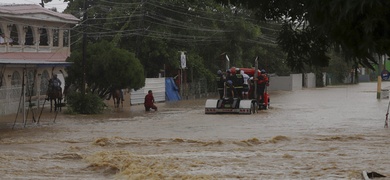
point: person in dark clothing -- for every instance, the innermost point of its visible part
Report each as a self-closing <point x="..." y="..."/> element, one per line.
<point x="238" y="83"/>
<point x="149" y="101"/>
<point x="230" y="89"/>
<point x="220" y="83"/>
<point x="229" y="75"/>
<point x="56" y="82"/>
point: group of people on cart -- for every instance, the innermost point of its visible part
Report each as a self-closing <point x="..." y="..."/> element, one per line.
<point x="240" y="83"/>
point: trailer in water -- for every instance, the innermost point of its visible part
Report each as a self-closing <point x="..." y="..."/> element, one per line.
<point x="264" y="102"/>
<point x="230" y="105"/>
<point x="238" y="105"/>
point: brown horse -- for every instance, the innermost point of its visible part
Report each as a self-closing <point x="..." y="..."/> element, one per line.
<point x="54" y="94"/>
<point x="117" y="96"/>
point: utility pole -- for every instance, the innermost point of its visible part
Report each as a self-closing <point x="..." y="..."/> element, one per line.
<point x="379" y="84"/>
<point x="255" y="78"/>
<point x="85" y="17"/>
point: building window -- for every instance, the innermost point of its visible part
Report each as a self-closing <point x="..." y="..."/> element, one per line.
<point x="29" y="36"/>
<point x="55" y="37"/>
<point x="16" y="80"/>
<point x="44" y="82"/>
<point x="14" y="35"/>
<point x="66" y="38"/>
<point x="43" y="40"/>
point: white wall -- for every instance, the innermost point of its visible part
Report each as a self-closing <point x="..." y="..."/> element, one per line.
<point x="296" y="81"/>
<point x="310" y="80"/>
<point x="285" y="83"/>
<point x="157" y="85"/>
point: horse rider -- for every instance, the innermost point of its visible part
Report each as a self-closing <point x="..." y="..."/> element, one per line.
<point x="56" y="82"/>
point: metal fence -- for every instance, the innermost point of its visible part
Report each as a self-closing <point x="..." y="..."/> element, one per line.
<point x="197" y="89"/>
<point x="9" y="100"/>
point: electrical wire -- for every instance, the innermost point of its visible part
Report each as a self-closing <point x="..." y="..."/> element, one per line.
<point x="157" y="20"/>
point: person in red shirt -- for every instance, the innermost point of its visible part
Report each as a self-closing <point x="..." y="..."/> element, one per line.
<point x="149" y="101"/>
<point x="261" y="84"/>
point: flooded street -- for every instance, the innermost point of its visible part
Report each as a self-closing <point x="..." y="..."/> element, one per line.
<point x="334" y="132"/>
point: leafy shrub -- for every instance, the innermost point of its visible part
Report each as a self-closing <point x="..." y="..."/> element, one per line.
<point x="85" y="104"/>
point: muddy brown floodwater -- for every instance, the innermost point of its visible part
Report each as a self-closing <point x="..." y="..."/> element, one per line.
<point x="334" y="132"/>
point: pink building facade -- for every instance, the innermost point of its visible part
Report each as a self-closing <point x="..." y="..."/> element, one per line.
<point x="35" y="44"/>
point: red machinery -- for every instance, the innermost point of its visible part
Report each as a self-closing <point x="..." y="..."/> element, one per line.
<point x="264" y="102"/>
<point x="238" y="105"/>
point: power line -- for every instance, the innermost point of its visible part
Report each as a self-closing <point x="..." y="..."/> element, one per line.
<point x="180" y="24"/>
<point x="158" y="20"/>
<point x="187" y="13"/>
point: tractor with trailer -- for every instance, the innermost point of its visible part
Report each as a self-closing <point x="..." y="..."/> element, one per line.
<point x="238" y="105"/>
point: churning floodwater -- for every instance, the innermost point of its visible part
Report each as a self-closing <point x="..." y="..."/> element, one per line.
<point x="334" y="132"/>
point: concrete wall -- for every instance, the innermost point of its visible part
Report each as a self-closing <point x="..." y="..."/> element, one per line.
<point x="285" y="83"/>
<point x="364" y="78"/>
<point x="310" y="80"/>
<point x="296" y="81"/>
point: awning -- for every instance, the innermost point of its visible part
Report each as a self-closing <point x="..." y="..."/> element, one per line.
<point x="33" y="63"/>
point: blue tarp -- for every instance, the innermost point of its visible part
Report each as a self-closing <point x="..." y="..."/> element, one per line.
<point x="171" y="90"/>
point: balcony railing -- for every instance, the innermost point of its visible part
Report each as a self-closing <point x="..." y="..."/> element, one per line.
<point x="30" y="48"/>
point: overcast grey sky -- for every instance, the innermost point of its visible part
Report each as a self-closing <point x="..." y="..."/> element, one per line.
<point x="59" y="4"/>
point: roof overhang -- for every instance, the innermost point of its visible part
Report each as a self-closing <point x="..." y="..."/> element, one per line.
<point x="33" y="63"/>
<point x="35" y="12"/>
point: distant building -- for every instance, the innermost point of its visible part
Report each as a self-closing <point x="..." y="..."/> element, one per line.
<point x="35" y="45"/>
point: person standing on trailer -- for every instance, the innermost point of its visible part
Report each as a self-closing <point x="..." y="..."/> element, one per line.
<point x="220" y="83"/>
<point x="251" y="93"/>
<point x="229" y="75"/>
<point x="245" y="86"/>
<point x="261" y="83"/>
<point x="231" y="91"/>
<point x="238" y="83"/>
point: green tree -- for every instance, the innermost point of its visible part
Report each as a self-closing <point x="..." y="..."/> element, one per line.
<point x="106" y="66"/>
<point x="157" y="30"/>
<point x="360" y="28"/>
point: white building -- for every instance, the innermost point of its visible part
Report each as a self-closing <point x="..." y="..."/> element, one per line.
<point x="35" y="46"/>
